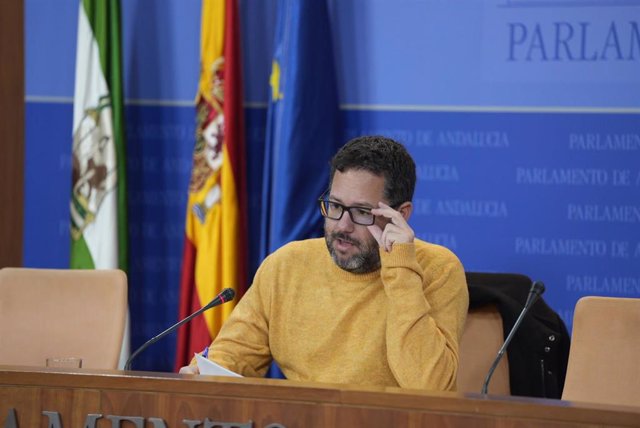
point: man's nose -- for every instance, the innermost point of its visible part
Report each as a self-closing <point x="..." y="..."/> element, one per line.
<point x="345" y="223"/>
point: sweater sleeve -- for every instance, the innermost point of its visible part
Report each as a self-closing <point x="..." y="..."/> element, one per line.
<point x="242" y="345"/>
<point x="428" y="302"/>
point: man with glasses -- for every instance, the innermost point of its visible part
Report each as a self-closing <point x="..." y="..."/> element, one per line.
<point x="369" y="304"/>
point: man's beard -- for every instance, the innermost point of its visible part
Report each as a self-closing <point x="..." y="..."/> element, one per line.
<point x="366" y="260"/>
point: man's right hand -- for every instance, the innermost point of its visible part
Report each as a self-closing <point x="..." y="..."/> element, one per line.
<point x="189" y="370"/>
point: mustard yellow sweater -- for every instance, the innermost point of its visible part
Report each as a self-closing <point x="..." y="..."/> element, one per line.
<point x="398" y="326"/>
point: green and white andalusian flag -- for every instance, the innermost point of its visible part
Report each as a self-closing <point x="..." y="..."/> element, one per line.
<point x="98" y="201"/>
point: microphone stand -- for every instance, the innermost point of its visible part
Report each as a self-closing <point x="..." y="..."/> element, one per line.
<point x="537" y="288"/>
<point x="226" y="295"/>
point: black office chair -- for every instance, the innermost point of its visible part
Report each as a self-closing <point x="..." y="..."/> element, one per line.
<point x="539" y="351"/>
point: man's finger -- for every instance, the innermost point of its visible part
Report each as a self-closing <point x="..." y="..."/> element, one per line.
<point x="189" y="370"/>
<point x="386" y="211"/>
<point x="376" y="232"/>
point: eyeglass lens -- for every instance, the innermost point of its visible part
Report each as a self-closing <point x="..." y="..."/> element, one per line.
<point x="334" y="211"/>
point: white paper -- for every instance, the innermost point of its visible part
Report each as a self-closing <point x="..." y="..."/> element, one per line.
<point x="208" y="367"/>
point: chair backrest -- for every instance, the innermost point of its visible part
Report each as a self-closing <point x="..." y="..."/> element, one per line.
<point x="62" y="313"/>
<point x="539" y="350"/>
<point x="604" y="358"/>
<point x="481" y="339"/>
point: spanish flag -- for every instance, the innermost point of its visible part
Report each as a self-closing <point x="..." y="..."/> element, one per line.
<point x="215" y="243"/>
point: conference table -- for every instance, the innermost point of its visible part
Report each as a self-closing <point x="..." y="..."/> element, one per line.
<point x="61" y="397"/>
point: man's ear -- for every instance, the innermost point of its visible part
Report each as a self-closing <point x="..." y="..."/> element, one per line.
<point x="406" y="208"/>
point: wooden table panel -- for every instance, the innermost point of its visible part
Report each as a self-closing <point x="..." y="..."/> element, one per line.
<point x="75" y="393"/>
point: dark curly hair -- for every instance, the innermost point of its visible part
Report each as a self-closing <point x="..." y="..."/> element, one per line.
<point x="381" y="156"/>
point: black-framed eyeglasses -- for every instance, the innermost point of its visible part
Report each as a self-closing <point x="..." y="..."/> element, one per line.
<point x="334" y="211"/>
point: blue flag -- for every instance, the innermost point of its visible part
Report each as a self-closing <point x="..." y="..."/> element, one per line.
<point x="302" y="124"/>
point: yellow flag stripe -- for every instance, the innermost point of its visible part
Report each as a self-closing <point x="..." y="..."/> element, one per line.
<point x="211" y="43"/>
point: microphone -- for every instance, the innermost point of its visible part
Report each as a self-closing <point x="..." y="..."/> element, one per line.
<point x="224" y="296"/>
<point x="537" y="288"/>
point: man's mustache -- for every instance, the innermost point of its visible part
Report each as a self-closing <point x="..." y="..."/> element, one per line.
<point x="345" y="238"/>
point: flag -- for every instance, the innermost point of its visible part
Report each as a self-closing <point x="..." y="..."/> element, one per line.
<point x="302" y="126"/>
<point x="215" y="251"/>
<point x="98" y="200"/>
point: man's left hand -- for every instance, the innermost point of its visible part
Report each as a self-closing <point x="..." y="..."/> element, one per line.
<point x="396" y="230"/>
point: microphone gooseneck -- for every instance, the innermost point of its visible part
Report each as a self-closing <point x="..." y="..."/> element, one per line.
<point x="225" y="295"/>
<point x="536" y="290"/>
